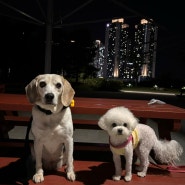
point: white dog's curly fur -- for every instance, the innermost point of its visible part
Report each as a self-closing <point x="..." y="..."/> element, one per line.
<point x="125" y="132"/>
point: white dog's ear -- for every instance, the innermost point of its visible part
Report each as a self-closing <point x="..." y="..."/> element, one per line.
<point x="68" y="93"/>
<point x="31" y="91"/>
<point x="102" y="123"/>
<point x="135" y="121"/>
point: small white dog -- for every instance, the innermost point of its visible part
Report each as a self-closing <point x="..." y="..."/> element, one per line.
<point x="52" y="125"/>
<point x="127" y="135"/>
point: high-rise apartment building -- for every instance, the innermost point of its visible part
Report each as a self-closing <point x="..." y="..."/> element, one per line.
<point x="117" y="49"/>
<point x="99" y="58"/>
<point x="144" y="49"/>
<point x="125" y="57"/>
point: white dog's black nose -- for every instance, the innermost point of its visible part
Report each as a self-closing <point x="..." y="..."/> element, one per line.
<point x="120" y="131"/>
<point x="49" y="97"/>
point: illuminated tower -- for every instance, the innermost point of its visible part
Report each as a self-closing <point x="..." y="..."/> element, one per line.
<point x="116" y="49"/>
<point x="145" y="49"/>
<point x="99" y="58"/>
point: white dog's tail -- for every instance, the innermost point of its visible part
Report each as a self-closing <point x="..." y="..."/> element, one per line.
<point x="168" y="152"/>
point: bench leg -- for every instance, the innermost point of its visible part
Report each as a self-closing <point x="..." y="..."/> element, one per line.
<point x="4" y="127"/>
<point x="143" y="120"/>
<point x="165" y="126"/>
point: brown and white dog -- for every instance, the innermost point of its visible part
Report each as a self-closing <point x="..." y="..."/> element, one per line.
<point x="52" y="125"/>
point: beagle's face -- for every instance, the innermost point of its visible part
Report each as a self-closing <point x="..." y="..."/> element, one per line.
<point x="50" y="88"/>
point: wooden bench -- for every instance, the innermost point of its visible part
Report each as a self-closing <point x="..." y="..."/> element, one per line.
<point x="2" y="88"/>
<point x="86" y="113"/>
<point x="91" y="167"/>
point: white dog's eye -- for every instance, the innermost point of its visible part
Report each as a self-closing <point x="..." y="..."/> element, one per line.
<point x="114" y="124"/>
<point x="58" y="85"/>
<point x="125" y="124"/>
<point x="42" y="84"/>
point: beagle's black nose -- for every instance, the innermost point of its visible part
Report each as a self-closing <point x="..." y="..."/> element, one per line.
<point x="49" y="97"/>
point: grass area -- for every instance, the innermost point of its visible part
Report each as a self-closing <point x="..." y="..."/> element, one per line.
<point x="98" y="84"/>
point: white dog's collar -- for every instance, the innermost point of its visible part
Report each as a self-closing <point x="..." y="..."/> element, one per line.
<point x="122" y="144"/>
<point x="120" y="149"/>
<point x="134" y="137"/>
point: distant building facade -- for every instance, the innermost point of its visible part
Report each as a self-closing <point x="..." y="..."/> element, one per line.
<point x="128" y="58"/>
<point x="117" y="48"/>
<point x="99" y="58"/>
<point x="144" y="50"/>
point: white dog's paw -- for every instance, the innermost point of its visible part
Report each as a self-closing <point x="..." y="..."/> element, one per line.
<point x="139" y="168"/>
<point x="116" y="177"/>
<point x="38" y="177"/>
<point x="71" y="176"/>
<point x="128" y="178"/>
<point x="141" y="174"/>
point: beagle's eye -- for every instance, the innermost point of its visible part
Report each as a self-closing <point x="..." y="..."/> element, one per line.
<point x="125" y="124"/>
<point x="114" y="124"/>
<point x="58" y="85"/>
<point x="42" y="84"/>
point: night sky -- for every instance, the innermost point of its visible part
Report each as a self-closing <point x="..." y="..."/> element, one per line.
<point x="93" y="15"/>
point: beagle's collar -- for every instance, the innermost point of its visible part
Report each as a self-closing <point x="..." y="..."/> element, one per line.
<point x="122" y="144"/>
<point x="47" y="112"/>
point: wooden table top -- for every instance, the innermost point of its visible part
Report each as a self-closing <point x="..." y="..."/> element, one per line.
<point x="140" y="108"/>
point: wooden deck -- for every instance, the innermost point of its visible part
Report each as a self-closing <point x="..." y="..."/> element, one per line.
<point x="87" y="173"/>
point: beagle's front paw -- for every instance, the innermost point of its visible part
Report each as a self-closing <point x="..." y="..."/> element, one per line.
<point x="38" y="177"/>
<point x="116" y="177"/>
<point x="71" y="176"/>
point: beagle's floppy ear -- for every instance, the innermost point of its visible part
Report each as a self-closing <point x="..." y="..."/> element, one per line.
<point x="31" y="91"/>
<point x="68" y="93"/>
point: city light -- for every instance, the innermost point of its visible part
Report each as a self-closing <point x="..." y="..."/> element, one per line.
<point x="123" y="57"/>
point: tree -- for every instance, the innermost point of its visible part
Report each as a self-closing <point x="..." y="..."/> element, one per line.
<point x="75" y="55"/>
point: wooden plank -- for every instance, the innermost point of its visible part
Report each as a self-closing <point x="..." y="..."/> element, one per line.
<point x="99" y="105"/>
<point x="89" y="172"/>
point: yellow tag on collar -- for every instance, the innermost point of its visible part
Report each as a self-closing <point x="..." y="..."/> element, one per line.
<point x="72" y="103"/>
